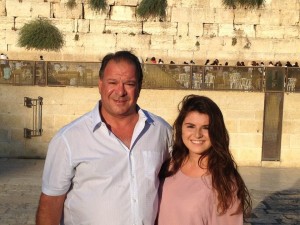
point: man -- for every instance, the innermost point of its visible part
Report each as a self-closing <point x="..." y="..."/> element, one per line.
<point x="102" y="168"/>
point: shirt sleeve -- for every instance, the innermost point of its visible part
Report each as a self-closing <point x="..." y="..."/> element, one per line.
<point x="58" y="169"/>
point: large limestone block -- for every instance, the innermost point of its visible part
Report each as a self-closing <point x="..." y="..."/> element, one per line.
<point x="295" y="142"/>
<point x="75" y="13"/>
<point x="289" y="17"/>
<point x="286" y="56"/>
<point x="187" y="14"/>
<point x="127" y="2"/>
<point x="160" y="28"/>
<point x="269" y="17"/>
<point x="65" y="25"/>
<point x="183" y="29"/>
<point x="195" y="29"/>
<point x="262" y="45"/>
<point x="12" y="37"/>
<point x="267" y="31"/>
<point x="40" y="9"/>
<point x="186" y="43"/>
<point x="161" y="42"/>
<point x="21" y="21"/>
<point x="190" y="3"/>
<point x="250" y="126"/>
<point x="246" y="16"/>
<point x="18" y="9"/>
<point x="125" y="27"/>
<point x="224" y="15"/>
<point x="60" y="10"/>
<point x="139" y="41"/>
<point x="92" y="14"/>
<point x="210" y="30"/>
<point x="279" y="4"/>
<point x="126" y="13"/>
<point x="2" y="8"/>
<point x="291" y="32"/>
<point x="226" y="30"/>
<point x="179" y="56"/>
<point x="287" y="46"/>
<point x="99" y="40"/>
<point x="82" y="26"/>
<point x="236" y="30"/>
<point x="70" y="39"/>
<point x="7" y="23"/>
<point x="97" y="25"/>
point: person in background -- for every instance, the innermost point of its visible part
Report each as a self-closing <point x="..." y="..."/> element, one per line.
<point x="201" y="184"/>
<point x="102" y="168"/>
<point x="153" y="60"/>
<point x="3" y="63"/>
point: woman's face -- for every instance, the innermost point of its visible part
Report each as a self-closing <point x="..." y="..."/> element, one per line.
<point x="195" y="133"/>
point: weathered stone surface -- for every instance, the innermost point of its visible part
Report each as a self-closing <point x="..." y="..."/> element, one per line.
<point x="67" y="25"/>
<point x="125" y="27"/>
<point x="210" y="30"/>
<point x="185" y="43"/>
<point x="125" y="13"/>
<point x="18" y="9"/>
<point x="128" y="41"/>
<point x="12" y="37"/>
<point x="40" y="9"/>
<point x="97" y="25"/>
<point x="92" y="14"/>
<point x="161" y="42"/>
<point x="2" y="7"/>
<point x="6" y="23"/>
<point x="195" y="29"/>
<point x="277" y="22"/>
<point x="187" y="14"/>
<point x="161" y="28"/>
<point x="127" y="2"/>
<point x="82" y="26"/>
<point x="267" y="31"/>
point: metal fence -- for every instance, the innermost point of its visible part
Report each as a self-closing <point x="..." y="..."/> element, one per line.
<point x="156" y="76"/>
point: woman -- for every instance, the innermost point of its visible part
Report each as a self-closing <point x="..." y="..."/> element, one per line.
<point x="201" y="183"/>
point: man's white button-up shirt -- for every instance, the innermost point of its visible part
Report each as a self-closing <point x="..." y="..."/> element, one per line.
<point x="107" y="183"/>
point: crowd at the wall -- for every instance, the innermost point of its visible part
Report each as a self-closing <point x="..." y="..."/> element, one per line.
<point x="216" y="62"/>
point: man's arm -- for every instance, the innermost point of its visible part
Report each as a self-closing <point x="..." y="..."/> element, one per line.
<point x="50" y="209"/>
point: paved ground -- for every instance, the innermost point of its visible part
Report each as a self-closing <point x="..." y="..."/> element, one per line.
<point x="275" y="192"/>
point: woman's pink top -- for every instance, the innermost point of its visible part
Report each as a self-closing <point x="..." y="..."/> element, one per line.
<point x="191" y="201"/>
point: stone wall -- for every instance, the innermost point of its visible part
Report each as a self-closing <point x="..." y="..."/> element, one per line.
<point x="192" y="29"/>
<point x="243" y="114"/>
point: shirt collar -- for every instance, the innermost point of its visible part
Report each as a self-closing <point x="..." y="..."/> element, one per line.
<point x="97" y="121"/>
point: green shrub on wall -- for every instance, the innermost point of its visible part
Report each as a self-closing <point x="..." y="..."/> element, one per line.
<point x="244" y="3"/>
<point x="98" y="4"/>
<point x="71" y="4"/>
<point x="40" y="34"/>
<point x="152" y="8"/>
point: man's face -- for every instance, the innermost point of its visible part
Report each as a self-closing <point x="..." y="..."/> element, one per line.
<point x="119" y="89"/>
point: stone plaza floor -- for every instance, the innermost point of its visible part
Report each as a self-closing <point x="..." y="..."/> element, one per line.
<point x="275" y="193"/>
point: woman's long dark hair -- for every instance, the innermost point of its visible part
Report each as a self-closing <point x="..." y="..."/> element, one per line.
<point x="226" y="179"/>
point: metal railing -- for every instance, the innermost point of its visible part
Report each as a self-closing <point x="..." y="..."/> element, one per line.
<point x="156" y="76"/>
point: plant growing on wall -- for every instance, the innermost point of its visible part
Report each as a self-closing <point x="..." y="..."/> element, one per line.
<point x="98" y="4"/>
<point x="234" y="41"/>
<point x="152" y="8"/>
<point x="244" y="3"/>
<point x="71" y="4"/>
<point x="40" y="34"/>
